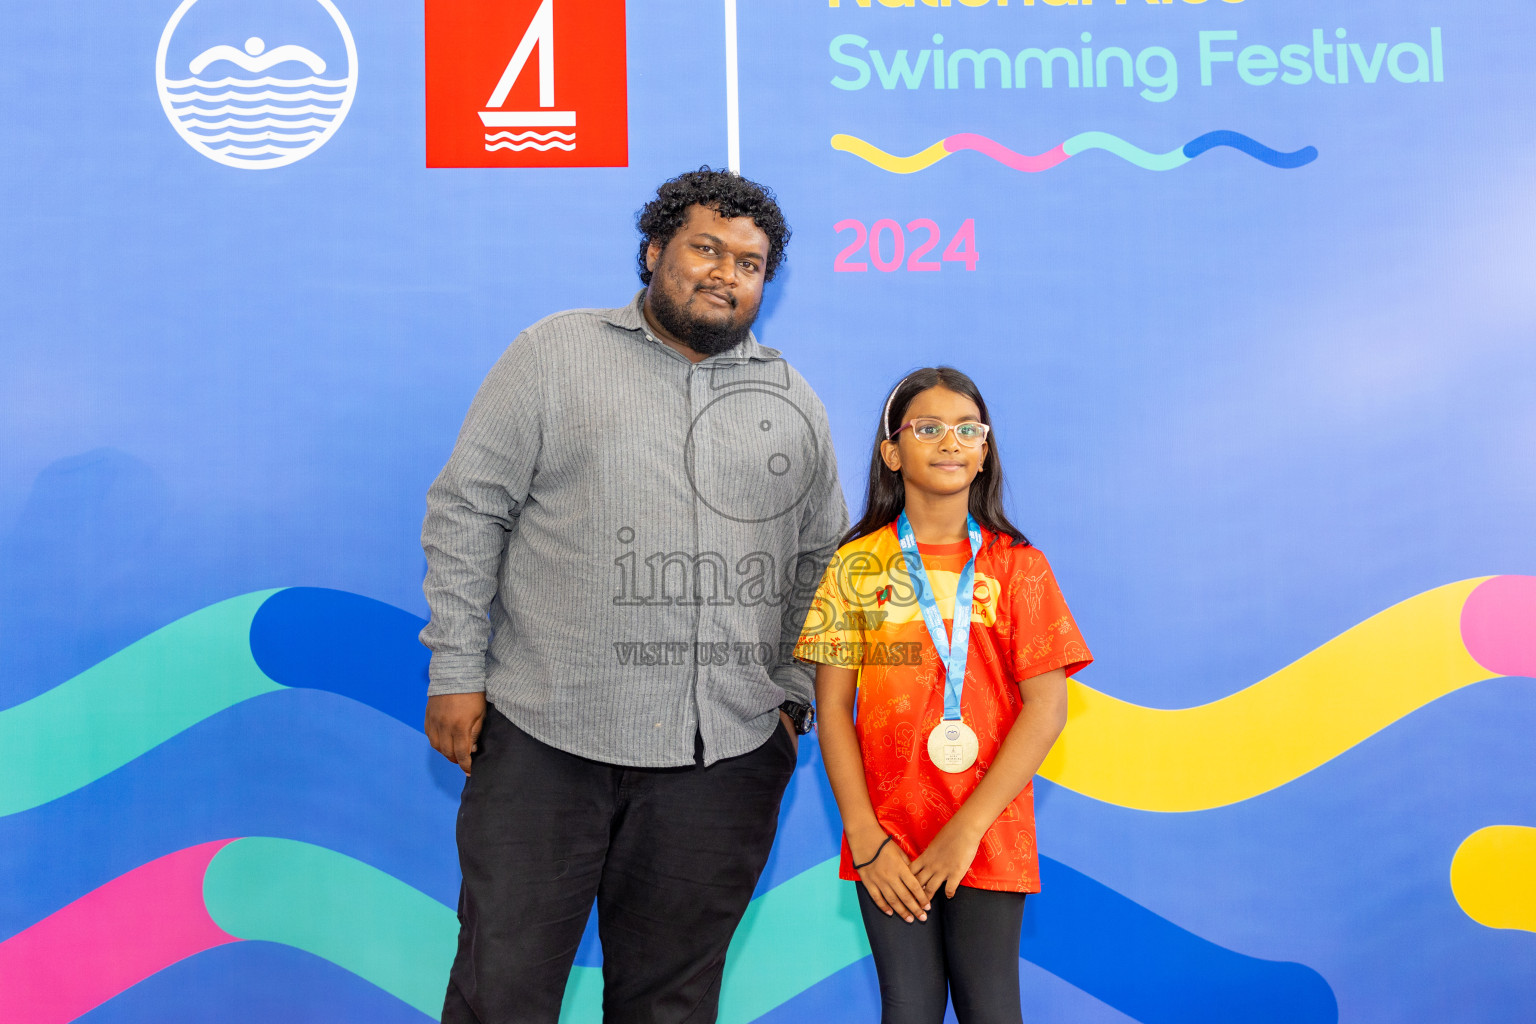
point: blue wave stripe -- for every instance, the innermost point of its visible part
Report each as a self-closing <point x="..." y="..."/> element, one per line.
<point x="1254" y="148"/>
<point x="1122" y="954"/>
<point x="1149" y="968"/>
<point x="344" y="644"/>
<point x="851" y="996"/>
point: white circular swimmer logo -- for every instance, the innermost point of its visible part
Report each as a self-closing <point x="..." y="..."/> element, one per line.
<point x="256" y="83"/>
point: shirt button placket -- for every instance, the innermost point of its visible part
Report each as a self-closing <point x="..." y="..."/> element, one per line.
<point x="697" y="401"/>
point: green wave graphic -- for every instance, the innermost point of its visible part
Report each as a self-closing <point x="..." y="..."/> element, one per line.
<point x="396" y="937"/>
<point x="583" y="1001"/>
<point x="1124" y="150"/>
<point x="781" y="949"/>
<point x="340" y="909"/>
<point x="117" y="709"/>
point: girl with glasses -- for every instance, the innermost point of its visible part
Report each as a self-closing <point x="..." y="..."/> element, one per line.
<point x="944" y="627"/>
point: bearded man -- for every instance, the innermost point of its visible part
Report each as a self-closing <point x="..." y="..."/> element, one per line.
<point x="620" y="554"/>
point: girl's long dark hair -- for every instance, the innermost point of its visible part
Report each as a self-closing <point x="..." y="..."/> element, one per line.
<point x="887" y="495"/>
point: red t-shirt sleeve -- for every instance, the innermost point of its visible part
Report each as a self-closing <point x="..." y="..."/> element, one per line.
<point x="1044" y="634"/>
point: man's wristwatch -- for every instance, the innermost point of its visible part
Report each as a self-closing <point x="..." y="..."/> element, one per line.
<point x="801" y="714"/>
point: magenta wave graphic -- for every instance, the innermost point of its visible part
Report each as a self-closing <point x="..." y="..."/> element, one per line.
<point x="112" y="938"/>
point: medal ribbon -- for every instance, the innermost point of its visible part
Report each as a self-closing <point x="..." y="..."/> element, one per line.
<point x="952" y="653"/>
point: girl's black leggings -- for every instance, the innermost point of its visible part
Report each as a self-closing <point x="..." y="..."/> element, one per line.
<point x="968" y="947"/>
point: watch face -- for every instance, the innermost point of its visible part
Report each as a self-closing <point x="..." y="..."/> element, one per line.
<point x="800" y="714"/>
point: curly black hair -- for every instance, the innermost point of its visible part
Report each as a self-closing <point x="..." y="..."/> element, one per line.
<point x="728" y="194"/>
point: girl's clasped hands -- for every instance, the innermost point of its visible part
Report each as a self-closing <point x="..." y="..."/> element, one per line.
<point x="903" y="886"/>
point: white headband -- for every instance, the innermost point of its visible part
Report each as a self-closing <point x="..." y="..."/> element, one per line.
<point x="885" y="417"/>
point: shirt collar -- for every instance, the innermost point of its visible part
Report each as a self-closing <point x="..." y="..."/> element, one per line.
<point x="632" y="318"/>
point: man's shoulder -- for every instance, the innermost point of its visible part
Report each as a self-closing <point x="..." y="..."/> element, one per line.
<point x="553" y="341"/>
<point x="587" y="320"/>
<point x="770" y="366"/>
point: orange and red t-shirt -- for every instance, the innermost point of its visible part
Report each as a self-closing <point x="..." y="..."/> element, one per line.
<point x="866" y="616"/>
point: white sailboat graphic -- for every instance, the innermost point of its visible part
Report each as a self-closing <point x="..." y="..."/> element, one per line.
<point x="521" y="124"/>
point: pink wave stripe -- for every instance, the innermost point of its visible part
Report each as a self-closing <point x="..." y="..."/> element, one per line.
<point x="1498" y="625"/>
<point x="1003" y="155"/>
<point x="110" y="939"/>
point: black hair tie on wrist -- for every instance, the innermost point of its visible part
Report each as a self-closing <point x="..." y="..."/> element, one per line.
<point x="876" y="857"/>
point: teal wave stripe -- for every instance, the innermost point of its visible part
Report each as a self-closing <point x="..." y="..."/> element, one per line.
<point x="583" y="1000"/>
<point x="1132" y="154"/>
<point x="396" y="937"/>
<point x="798" y="933"/>
<point x="340" y="909"/>
<point x="121" y="707"/>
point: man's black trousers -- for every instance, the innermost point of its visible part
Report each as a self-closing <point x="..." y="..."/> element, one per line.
<point x="670" y="854"/>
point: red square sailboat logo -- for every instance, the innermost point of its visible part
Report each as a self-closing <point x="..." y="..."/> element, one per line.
<point x="526" y="83"/>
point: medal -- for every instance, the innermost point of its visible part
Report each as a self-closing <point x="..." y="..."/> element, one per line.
<point x="952" y="745"/>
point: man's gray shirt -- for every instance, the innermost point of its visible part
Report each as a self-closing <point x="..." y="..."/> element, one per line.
<point x="623" y="545"/>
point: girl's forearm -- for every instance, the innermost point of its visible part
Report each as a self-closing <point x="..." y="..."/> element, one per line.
<point x="845" y="770"/>
<point x="844" y="761"/>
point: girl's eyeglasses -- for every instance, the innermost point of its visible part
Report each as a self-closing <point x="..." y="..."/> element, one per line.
<point x="931" y="431"/>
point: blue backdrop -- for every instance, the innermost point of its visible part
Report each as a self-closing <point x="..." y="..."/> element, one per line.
<point x="1255" y="388"/>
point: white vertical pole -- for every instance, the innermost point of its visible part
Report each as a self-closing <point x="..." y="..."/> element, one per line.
<point x="732" y="106"/>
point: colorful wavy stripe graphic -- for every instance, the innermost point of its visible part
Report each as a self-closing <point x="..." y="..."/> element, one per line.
<point x="1185" y="759"/>
<point x="274" y="890"/>
<point x="801" y="934"/>
<point x="397" y="938"/>
<point x="200" y="665"/>
<point x="1262" y="737"/>
<point x="297" y="764"/>
<point x="1080" y="143"/>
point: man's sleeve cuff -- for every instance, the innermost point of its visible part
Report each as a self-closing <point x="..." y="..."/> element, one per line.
<point x="456" y="673"/>
<point x="797" y="680"/>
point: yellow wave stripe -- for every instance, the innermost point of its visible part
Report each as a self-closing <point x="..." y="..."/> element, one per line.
<point x="1278" y="729"/>
<point x="887" y="161"/>
<point x="1494" y="877"/>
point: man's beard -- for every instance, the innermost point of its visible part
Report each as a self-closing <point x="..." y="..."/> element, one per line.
<point x="710" y="337"/>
